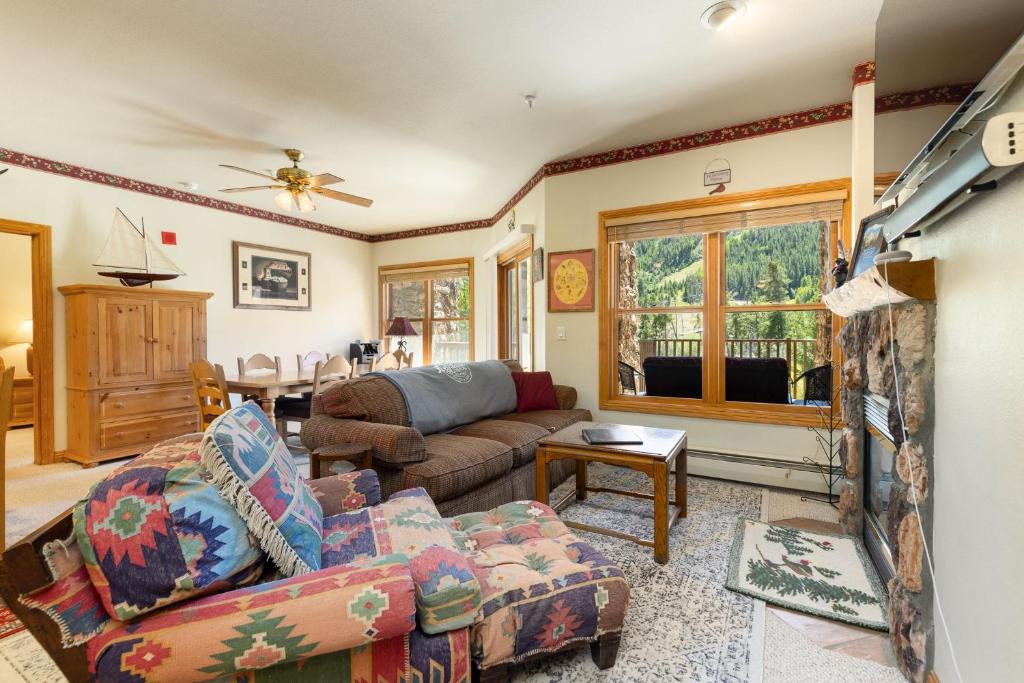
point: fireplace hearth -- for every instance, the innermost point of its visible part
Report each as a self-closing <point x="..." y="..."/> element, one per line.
<point x="875" y="499"/>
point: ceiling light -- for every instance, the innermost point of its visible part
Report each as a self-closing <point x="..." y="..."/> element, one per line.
<point x="305" y="202"/>
<point x="283" y="200"/>
<point x="721" y="14"/>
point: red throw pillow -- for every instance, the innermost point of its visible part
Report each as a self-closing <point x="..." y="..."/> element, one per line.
<point x="534" y="391"/>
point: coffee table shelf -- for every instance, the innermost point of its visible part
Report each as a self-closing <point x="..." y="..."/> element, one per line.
<point x="661" y="449"/>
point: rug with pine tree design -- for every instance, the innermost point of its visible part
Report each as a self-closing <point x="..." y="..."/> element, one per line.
<point x="825" y="574"/>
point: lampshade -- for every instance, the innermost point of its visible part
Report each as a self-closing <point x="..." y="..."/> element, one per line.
<point x="283" y="200"/>
<point x="305" y="202"/>
<point x="401" y="327"/>
<point x="23" y="335"/>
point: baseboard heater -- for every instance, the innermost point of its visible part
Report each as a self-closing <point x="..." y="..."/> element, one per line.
<point x="757" y="460"/>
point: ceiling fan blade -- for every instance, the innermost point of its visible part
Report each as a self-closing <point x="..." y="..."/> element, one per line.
<point x="342" y="196"/>
<point x="250" y="189"/>
<point x="245" y="170"/>
<point x="324" y="179"/>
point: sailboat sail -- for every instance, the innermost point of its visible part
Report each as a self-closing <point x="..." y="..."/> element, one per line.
<point x="125" y="247"/>
<point x="129" y="247"/>
<point x="158" y="261"/>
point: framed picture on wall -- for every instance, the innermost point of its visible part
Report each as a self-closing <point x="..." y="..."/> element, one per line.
<point x="270" y="277"/>
<point x="571" y="281"/>
<point x="870" y="242"/>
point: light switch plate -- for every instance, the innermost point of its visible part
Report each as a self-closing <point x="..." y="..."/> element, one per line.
<point x="560" y="331"/>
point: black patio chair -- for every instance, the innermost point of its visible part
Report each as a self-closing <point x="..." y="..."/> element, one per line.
<point x="627" y="377"/>
<point x="817" y="384"/>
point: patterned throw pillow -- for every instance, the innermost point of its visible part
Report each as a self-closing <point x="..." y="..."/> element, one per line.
<point x="409" y="527"/>
<point x="255" y="472"/>
<point x="156" y="531"/>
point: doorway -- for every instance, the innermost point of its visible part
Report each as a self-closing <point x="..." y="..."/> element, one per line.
<point x="33" y="337"/>
<point x="515" y="303"/>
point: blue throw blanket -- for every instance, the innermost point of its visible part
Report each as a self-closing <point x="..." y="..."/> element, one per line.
<point x="448" y="395"/>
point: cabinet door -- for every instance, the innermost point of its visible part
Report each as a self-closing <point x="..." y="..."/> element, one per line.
<point x="177" y="338"/>
<point x="125" y="330"/>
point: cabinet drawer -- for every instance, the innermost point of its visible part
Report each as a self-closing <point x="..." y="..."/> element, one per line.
<point x="136" y="402"/>
<point x="143" y="432"/>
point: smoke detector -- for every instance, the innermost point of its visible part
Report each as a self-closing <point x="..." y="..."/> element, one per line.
<point x="721" y="14"/>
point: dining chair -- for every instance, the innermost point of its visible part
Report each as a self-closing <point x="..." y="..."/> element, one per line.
<point x="210" y="390"/>
<point x="297" y="409"/>
<point x="391" y="361"/>
<point x="258" y="361"/>
<point x="6" y="406"/>
<point x="309" y="361"/>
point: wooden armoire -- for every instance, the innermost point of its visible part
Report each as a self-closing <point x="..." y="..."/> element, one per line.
<point x="128" y="379"/>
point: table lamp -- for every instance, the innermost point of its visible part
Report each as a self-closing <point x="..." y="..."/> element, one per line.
<point x="401" y="328"/>
<point x="23" y="335"/>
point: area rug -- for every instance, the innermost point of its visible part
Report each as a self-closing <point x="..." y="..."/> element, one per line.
<point x="682" y="623"/>
<point x="828" y="575"/>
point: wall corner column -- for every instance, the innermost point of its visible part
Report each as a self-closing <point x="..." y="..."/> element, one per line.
<point x="862" y="173"/>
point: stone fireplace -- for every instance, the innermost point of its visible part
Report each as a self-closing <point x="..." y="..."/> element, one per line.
<point x="875" y="496"/>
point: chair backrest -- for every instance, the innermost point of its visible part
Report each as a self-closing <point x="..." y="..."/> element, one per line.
<point x="388" y="361"/>
<point x="210" y="391"/>
<point x="310" y="360"/>
<point x="326" y="373"/>
<point x="258" y="361"/>
<point x="817" y="383"/>
<point x="6" y="407"/>
<point x="627" y="376"/>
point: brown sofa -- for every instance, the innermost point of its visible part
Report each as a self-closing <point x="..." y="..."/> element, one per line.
<point x="471" y="468"/>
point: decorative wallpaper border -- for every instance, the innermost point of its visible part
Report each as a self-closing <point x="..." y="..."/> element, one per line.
<point x="79" y="173"/>
<point x="864" y="73"/>
<point x="832" y="113"/>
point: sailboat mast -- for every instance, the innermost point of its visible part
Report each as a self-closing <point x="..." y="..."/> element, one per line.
<point x="145" y="247"/>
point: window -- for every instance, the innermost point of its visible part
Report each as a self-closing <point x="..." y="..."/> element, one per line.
<point x="437" y="298"/>
<point x="712" y="307"/>
<point x="515" y="304"/>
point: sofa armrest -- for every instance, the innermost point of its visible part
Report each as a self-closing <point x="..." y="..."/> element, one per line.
<point x="260" y="626"/>
<point x="566" y="397"/>
<point x="392" y="444"/>
<point x="346" y="492"/>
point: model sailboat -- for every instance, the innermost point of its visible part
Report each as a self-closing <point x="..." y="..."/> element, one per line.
<point x="136" y="259"/>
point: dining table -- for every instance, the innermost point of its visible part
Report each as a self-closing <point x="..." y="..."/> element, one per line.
<point x="268" y="385"/>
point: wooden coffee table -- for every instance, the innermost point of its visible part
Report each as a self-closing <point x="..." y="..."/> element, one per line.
<point x="661" y="448"/>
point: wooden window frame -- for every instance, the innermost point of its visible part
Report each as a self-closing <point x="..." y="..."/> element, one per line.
<point x="428" y="303"/>
<point x="511" y="258"/>
<point x="712" y="405"/>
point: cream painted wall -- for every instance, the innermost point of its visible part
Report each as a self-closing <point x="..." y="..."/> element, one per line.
<point x="564" y="208"/>
<point x="80" y="214"/>
<point x="978" y="428"/>
<point x="16" y="302"/>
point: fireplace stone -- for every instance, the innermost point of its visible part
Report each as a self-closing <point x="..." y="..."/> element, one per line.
<point x="869" y="342"/>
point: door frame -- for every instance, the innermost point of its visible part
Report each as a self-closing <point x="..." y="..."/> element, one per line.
<point x="520" y="251"/>
<point x="42" y="334"/>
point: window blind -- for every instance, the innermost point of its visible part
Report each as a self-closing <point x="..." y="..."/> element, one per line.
<point x="429" y="272"/>
<point x="827" y="209"/>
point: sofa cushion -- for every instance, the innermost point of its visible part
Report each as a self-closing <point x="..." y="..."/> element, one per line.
<point x="256" y="473"/>
<point x="551" y="420"/>
<point x="521" y="437"/>
<point x="456" y="464"/>
<point x="409" y="527"/>
<point x="373" y="399"/>
<point x="156" y="531"/>
<point x="534" y="391"/>
<point x="542" y="586"/>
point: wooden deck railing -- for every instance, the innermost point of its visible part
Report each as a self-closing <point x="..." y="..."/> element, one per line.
<point x="799" y="353"/>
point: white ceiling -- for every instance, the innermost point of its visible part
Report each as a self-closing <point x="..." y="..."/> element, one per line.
<point x="417" y="104"/>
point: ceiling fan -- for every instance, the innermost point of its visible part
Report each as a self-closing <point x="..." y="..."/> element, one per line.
<point x="297" y="185"/>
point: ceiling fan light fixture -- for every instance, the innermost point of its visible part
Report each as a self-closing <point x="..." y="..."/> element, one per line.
<point x="305" y="202"/>
<point x="284" y="201"/>
<point x="722" y="14"/>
